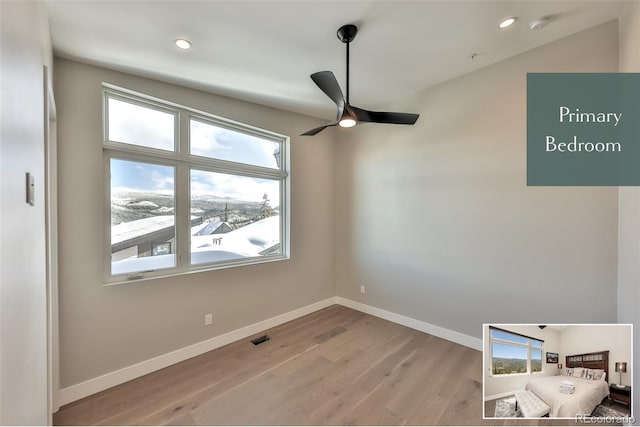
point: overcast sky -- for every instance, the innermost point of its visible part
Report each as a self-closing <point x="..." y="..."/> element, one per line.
<point x="151" y="128"/>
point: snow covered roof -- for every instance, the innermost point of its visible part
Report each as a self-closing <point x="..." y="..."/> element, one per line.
<point x="133" y="230"/>
<point x="210" y="228"/>
<point x="129" y="230"/>
<point x="256" y="239"/>
<point x="247" y="241"/>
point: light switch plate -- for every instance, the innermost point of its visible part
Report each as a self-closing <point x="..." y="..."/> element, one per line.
<point x="31" y="187"/>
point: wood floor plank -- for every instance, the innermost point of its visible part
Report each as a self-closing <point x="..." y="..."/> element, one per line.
<point x="429" y="411"/>
<point x="465" y="406"/>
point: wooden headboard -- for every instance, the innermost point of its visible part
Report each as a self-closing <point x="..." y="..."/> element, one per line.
<point x="596" y="360"/>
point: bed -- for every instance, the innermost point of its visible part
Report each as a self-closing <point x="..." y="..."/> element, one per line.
<point x="588" y="392"/>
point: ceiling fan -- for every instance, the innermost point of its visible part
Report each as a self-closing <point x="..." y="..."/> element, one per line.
<point x="348" y="115"/>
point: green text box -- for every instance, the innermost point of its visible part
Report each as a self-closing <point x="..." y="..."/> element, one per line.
<point x="583" y="129"/>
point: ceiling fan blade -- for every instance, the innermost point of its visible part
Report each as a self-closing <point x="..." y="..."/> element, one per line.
<point x="383" y="117"/>
<point x="317" y="130"/>
<point x="327" y="83"/>
<point x="333" y="123"/>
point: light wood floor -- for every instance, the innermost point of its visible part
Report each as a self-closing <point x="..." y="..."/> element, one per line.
<point x="336" y="366"/>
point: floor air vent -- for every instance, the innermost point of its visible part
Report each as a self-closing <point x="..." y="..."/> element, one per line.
<point x="260" y="340"/>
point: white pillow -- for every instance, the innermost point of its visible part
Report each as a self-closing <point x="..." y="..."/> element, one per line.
<point x="597" y="373"/>
<point x="577" y="372"/>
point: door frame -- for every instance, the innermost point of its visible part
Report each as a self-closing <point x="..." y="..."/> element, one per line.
<point x="51" y="230"/>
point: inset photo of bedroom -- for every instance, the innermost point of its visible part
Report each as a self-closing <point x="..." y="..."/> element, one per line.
<point x="581" y="372"/>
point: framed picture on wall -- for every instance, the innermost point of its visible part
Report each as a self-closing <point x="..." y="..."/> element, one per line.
<point x="552" y="357"/>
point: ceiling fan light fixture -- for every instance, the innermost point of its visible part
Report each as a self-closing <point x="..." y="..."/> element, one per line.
<point x="183" y="44"/>
<point x="347" y="122"/>
<point x="508" y="22"/>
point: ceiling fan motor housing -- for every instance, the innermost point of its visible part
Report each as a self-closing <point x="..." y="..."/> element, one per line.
<point x="347" y="33"/>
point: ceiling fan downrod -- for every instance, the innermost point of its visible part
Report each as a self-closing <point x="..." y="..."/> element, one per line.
<point x="346" y="34"/>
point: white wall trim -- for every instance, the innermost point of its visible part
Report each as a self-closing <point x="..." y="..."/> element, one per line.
<point x="438" y="331"/>
<point x="111" y="379"/>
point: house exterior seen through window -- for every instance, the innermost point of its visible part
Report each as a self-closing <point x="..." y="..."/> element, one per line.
<point x="188" y="190"/>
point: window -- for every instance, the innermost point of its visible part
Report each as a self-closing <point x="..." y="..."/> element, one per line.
<point x="513" y="353"/>
<point x="189" y="191"/>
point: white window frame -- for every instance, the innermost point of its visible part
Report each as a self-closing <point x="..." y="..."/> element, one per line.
<point x="183" y="162"/>
<point x="528" y="346"/>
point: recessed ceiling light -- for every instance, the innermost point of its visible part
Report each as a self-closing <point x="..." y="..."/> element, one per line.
<point x="183" y="44"/>
<point x="508" y="22"/>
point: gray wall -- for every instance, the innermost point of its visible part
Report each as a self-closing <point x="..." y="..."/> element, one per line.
<point x="104" y="328"/>
<point x="25" y="48"/>
<point x="438" y="223"/>
<point x="629" y="202"/>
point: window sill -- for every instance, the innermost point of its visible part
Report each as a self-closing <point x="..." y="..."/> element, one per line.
<point x="120" y="280"/>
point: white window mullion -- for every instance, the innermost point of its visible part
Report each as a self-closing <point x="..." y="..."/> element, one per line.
<point x="183" y="191"/>
<point x="107" y="223"/>
<point x="183" y="217"/>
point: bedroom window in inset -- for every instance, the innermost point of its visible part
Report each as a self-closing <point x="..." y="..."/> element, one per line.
<point x="513" y="353"/>
<point x="188" y="190"/>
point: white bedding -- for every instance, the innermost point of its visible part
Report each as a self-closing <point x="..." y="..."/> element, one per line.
<point x="588" y="394"/>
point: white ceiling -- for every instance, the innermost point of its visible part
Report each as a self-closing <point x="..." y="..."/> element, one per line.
<point x="264" y="51"/>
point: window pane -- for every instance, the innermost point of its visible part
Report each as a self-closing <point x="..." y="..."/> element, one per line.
<point x="536" y="343"/>
<point x="508" y="359"/>
<point x="138" y="125"/>
<point x="142" y="217"/>
<point x="506" y="336"/>
<point x="208" y="140"/>
<point x="233" y="217"/>
<point x="536" y="360"/>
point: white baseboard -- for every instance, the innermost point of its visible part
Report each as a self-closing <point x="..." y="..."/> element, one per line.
<point x="111" y="379"/>
<point x="419" y="325"/>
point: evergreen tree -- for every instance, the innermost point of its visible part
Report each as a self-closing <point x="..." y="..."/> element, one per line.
<point x="266" y="207"/>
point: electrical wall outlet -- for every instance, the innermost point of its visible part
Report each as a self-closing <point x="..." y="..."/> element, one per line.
<point x="208" y="319"/>
<point x="362" y="290"/>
